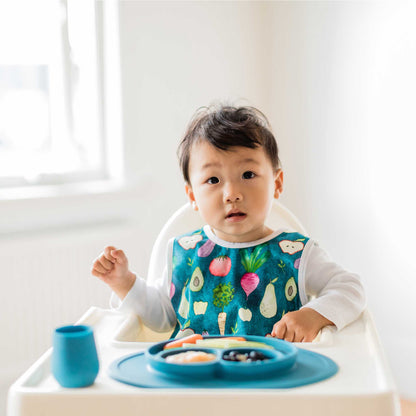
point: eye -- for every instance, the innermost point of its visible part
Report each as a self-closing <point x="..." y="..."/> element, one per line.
<point x="249" y="175"/>
<point x="213" y="180"/>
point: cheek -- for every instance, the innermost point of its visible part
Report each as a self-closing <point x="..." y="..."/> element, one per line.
<point x="263" y="193"/>
<point x="263" y="198"/>
<point x="205" y="200"/>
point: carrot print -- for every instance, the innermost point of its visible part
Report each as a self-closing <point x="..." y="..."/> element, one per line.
<point x="223" y="295"/>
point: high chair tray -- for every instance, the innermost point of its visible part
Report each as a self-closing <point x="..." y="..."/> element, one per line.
<point x="363" y="386"/>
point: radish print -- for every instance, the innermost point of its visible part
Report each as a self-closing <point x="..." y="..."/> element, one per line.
<point x="252" y="262"/>
<point x="220" y="266"/>
<point x="172" y="290"/>
<point x="249" y="282"/>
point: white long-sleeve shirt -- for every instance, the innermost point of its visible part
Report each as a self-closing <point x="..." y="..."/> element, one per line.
<point x="323" y="285"/>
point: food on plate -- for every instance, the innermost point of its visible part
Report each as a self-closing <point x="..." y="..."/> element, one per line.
<point x="190" y="357"/>
<point x="191" y="339"/>
<point x="248" y="357"/>
<point x="197" y="341"/>
<point x="229" y="343"/>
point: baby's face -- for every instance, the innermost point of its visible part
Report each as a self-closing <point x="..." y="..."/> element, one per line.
<point x="233" y="190"/>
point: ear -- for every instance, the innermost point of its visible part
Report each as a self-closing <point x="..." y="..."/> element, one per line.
<point x="191" y="196"/>
<point x="278" y="183"/>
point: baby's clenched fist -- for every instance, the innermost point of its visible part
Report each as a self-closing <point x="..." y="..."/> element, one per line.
<point x="113" y="269"/>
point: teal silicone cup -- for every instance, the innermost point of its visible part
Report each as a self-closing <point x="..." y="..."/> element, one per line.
<point x="74" y="356"/>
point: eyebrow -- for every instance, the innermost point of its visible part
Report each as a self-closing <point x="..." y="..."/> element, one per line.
<point x="215" y="164"/>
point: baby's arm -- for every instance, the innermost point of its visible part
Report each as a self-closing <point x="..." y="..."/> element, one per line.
<point x="112" y="268"/>
<point x="330" y="295"/>
<point x="132" y="294"/>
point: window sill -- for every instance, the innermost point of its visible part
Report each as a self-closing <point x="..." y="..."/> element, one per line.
<point x="58" y="191"/>
<point x="39" y="208"/>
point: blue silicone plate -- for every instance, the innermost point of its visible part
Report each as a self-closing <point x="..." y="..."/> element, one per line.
<point x="281" y="355"/>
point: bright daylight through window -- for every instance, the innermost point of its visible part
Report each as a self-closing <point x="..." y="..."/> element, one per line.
<point x="50" y="93"/>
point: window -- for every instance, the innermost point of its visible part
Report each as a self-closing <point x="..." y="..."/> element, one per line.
<point x="51" y="92"/>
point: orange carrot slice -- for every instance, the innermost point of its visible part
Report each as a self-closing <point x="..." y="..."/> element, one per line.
<point x="232" y="339"/>
<point x="191" y="339"/>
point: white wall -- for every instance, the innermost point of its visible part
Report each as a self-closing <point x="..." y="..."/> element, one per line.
<point x="176" y="57"/>
<point x="343" y="102"/>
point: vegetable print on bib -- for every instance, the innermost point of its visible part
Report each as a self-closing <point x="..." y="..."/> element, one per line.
<point x="220" y="290"/>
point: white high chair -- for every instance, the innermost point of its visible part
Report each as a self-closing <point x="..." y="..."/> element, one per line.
<point x="362" y="387"/>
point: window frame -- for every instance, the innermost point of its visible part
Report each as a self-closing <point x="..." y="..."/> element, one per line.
<point x="106" y="32"/>
<point x="50" y="204"/>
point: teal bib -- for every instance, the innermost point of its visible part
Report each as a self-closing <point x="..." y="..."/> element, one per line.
<point x="220" y="290"/>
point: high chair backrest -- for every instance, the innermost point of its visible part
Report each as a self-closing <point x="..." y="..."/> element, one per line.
<point x="185" y="219"/>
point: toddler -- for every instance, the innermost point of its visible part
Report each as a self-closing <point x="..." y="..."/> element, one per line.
<point x="235" y="275"/>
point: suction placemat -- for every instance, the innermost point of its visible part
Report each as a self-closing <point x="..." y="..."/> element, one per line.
<point x="310" y="367"/>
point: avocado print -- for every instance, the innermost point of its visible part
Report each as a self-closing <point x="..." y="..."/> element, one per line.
<point x="268" y="305"/>
<point x="197" y="280"/>
<point x="291" y="289"/>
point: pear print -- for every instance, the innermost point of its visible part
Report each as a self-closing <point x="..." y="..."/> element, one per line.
<point x="268" y="305"/>
<point x="183" y="309"/>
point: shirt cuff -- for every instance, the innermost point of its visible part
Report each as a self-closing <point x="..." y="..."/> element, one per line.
<point x="130" y="302"/>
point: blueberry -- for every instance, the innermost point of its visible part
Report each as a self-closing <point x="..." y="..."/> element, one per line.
<point x="257" y="356"/>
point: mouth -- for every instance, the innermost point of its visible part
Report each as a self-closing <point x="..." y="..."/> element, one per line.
<point x="235" y="215"/>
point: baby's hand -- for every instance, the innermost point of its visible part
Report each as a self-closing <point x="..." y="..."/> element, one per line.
<point x="112" y="267"/>
<point x="300" y="326"/>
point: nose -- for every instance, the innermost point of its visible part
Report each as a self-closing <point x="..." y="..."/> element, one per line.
<point x="232" y="193"/>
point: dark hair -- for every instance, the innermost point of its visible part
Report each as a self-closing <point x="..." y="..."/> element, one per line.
<point x="224" y="127"/>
